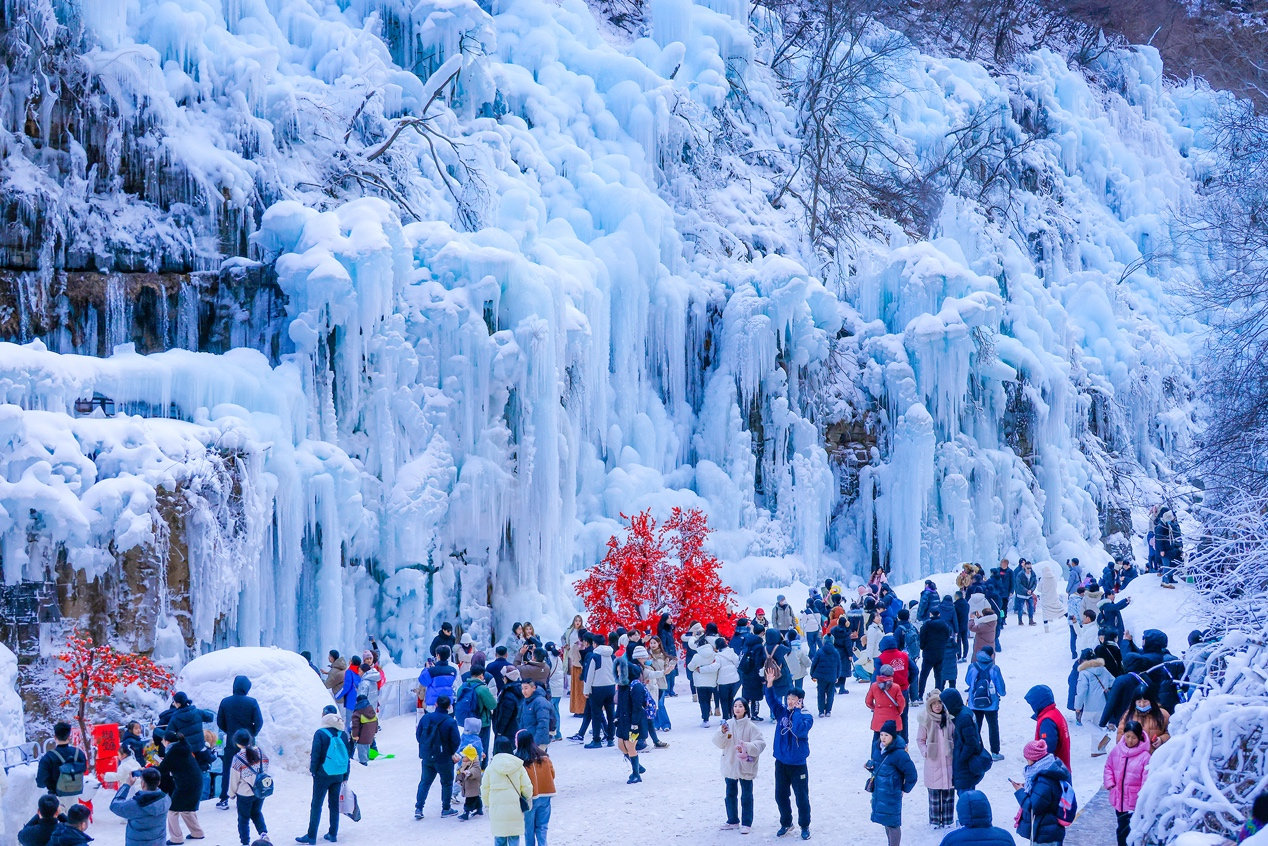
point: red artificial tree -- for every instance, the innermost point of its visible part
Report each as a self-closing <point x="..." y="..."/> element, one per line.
<point x="656" y="568"/>
<point x="93" y="672"/>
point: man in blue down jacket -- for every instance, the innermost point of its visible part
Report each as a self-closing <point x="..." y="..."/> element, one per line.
<point x="536" y="713"/>
<point x="236" y="712"/>
<point x="973" y="810"/>
<point x="791" y="748"/>
<point x="145" y="810"/>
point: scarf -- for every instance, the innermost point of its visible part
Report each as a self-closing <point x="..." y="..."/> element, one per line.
<point x="1032" y="771"/>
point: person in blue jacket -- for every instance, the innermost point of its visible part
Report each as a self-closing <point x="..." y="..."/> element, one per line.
<point x="928" y="599"/>
<point x="347" y="695"/>
<point x="893" y="774"/>
<point x="1040" y="795"/>
<point x="791" y="749"/>
<point x="969" y="759"/>
<point x="984" y="687"/>
<point x="438" y="679"/>
<point x="973" y="810"/>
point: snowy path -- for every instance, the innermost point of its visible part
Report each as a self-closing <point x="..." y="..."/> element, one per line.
<point x="681" y="797"/>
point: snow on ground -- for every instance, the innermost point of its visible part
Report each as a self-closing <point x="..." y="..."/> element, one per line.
<point x="681" y="797"/>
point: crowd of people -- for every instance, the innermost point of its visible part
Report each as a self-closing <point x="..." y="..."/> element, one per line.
<point x="488" y="716"/>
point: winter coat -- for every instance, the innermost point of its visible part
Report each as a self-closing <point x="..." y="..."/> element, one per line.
<point x="541" y="774"/>
<point x="950" y="663"/>
<point x="983" y="629"/>
<point x="504" y="782"/>
<point x="469" y="776"/>
<point x="437" y="735"/>
<point x="984" y="665"/>
<point x="1038" y="822"/>
<point x="792" y="731"/>
<point x="728" y="666"/>
<point x="534" y="671"/>
<point x="885" y="704"/>
<point x="600" y="669"/>
<point x="1024" y="584"/>
<point x="365" y="725"/>
<point x="893" y="776"/>
<point x="463" y="655"/>
<point x="242" y="775"/>
<point x="1094" y="684"/>
<point x="1125" y="774"/>
<point x="239" y="711"/>
<point x="1052" y="598"/>
<point x="928" y="599"/>
<point x="934" y="740"/>
<point x="897" y="659"/>
<point x="441" y="639"/>
<point x="872" y="650"/>
<point x="437" y="681"/>
<point x="188" y="720"/>
<point x="1156" y="724"/>
<point x="371" y="681"/>
<point x="506" y="716"/>
<point x="704" y="666"/>
<point x="973" y="810"/>
<point x="536" y="717"/>
<point x="1073" y="578"/>
<point x="1110" y="653"/>
<point x="1050" y="724"/>
<point x="557" y="681"/>
<point x="1092" y="599"/>
<point x="347" y="695"/>
<point x="1119" y="700"/>
<point x="38" y="831"/>
<point x="740" y="748"/>
<point x="798" y="661"/>
<point x="783" y="617"/>
<point x="65" y="834"/>
<point x="146" y="813"/>
<point x="960" y="609"/>
<point x="843" y="644"/>
<point x="51" y="762"/>
<point x="968" y="759"/>
<point x="182" y="777"/>
<point x="809" y="621"/>
<point x="331" y="731"/>
<point x="826" y="666"/>
<point x="752" y="685"/>
<point x="934" y="635"/>
<point x="334" y="679"/>
<point x="778" y="651"/>
<point x="1160" y="666"/>
<point x="1086" y="635"/>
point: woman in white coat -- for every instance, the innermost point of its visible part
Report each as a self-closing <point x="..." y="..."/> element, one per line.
<point x="728" y="664"/>
<point x="704" y="669"/>
<point x="1053" y="600"/>
<point x="741" y="743"/>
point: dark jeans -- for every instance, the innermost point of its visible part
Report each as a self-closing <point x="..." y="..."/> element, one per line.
<point x="1074" y="654"/>
<point x="671" y="676"/>
<point x="250" y="810"/>
<point x="744" y="813"/>
<point x="992" y="724"/>
<point x="1124" y="826"/>
<point x="813" y="639"/>
<point x="327" y="787"/>
<point x="443" y="770"/>
<point x="226" y="762"/>
<point x="725" y="695"/>
<point x="603" y="711"/>
<point x="964" y="641"/>
<point x="1024" y="603"/>
<point x="792" y="778"/>
<point x="927" y="666"/>
<point x="704" y="695"/>
<point x="827" y="694"/>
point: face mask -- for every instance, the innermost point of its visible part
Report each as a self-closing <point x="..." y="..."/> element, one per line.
<point x="1145" y="709"/>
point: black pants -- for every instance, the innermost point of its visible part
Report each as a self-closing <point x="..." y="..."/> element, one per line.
<point x="1124" y="826"/>
<point x="754" y="707"/>
<point x="486" y="737"/>
<point x="443" y="770"/>
<point x="603" y="711"/>
<point x="725" y="696"/>
<point x="902" y="732"/>
<point x="704" y="695"/>
<point x="927" y="666"/>
<point x="250" y="810"/>
<point x="231" y="749"/>
<point x="827" y="694"/>
<point x="792" y="778"/>
<point x="739" y="790"/>
<point x="327" y="787"/>
<point x="992" y="723"/>
<point x="964" y="642"/>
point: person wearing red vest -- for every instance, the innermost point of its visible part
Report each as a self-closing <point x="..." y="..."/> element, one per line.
<point x="1050" y="725"/>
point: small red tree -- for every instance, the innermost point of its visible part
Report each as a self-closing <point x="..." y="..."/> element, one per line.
<point x="655" y="568"/>
<point x="92" y="672"/>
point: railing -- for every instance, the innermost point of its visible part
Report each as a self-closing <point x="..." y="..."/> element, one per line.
<point x="397" y="698"/>
<point x="27" y="753"/>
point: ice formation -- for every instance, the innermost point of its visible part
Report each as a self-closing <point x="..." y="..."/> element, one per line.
<point x="583" y="306"/>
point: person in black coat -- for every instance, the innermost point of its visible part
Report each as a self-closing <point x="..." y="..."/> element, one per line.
<point x="71" y="831"/>
<point x="1040" y="795"/>
<point x="187" y="720"/>
<point x="752" y="685"/>
<point x="934" y="637"/>
<point x="1162" y="668"/>
<point x="238" y="711"/>
<point x="133" y="742"/>
<point x="443" y="638"/>
<point x="40" y="827"/>
<point x="969" y="758"/>
<point x="50" y="766"/>
<point x="182" y="779"/>
<point x="956" y="613"/>
<point x="438" y="737"/>
<point x="842" y="639"/>
<point x="1109" y="651"/>
<point x="506" y="716"/>
<point x="825" y="668"/>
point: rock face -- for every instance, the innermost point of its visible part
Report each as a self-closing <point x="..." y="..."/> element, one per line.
<point x="397" y="312"/>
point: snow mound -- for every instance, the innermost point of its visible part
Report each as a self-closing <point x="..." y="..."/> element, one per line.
<point x="290" y="694"/>
<point x="12" y="725"/>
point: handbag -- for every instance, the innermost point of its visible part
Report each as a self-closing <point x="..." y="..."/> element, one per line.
<point x="348" y="804"/>
<point x="524" y="803"/>
<point x="870" y="784"/>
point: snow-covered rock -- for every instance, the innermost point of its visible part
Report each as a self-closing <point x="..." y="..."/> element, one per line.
<point x="12" y="725"/>
<point x="291" y="695"/>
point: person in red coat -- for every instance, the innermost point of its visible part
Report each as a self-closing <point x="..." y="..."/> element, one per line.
<point x="900" y="662"/>
<point x="886" y="701"/>
<point x="1050" y="725"/>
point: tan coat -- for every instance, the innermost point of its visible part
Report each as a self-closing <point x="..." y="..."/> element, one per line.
<point x="983" y="631"/>
<point x="935" y="742"/>
<point x="334" y="679"/>
<point x="741" y="743"/>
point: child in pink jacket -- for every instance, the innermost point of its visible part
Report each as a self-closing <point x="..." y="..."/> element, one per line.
<point x="1125" y="774"/>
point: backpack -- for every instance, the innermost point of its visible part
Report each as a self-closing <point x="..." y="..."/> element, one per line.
<point x="771" y="668"/>
<point x="337" y="762"/>
<point x="982" y="697"/>
<point x="262" y="786"/>
<point x="649" y="704"/>
<point x="70" y="774"/>
<point x="467" y="704"/>
<point x="1068" y="807"/>
<point x="748" y="663"/>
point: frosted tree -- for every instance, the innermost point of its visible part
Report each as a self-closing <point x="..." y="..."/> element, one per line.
<point x="1206" y="777"/>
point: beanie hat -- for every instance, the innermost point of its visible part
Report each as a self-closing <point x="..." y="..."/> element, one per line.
<point x="471" y="725"/>
<point x="1035" y="750"/>
<point x="329" y="709"/>
<point x="510" y="673"/>
<point x="469" y="752"/>
<point x="641" y="652"/>
<point x="889" y="727"/>
<point x="885" y="670"/>
<point x="779" y="598"/>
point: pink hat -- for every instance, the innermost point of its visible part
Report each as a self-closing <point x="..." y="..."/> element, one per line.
<point x="1035" y="750"/>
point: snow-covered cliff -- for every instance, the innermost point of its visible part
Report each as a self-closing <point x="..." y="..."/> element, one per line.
<point x="510" y="272"/>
